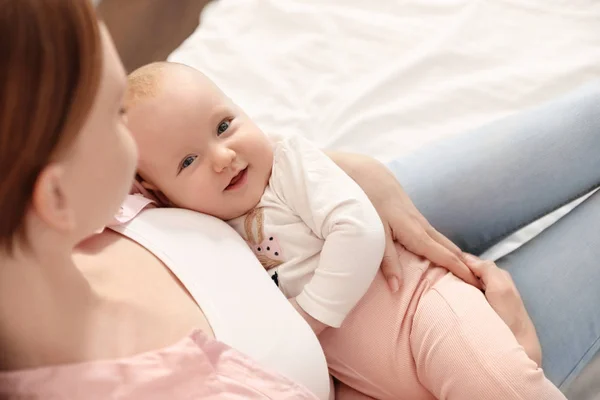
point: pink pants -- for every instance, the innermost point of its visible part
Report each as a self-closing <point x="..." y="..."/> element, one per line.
<point x="438" y="338"/>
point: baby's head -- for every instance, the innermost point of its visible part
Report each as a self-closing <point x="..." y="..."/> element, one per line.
<point x="197" y="148"/>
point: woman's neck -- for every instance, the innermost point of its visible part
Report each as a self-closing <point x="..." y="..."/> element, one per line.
<point x="43" y="305"/>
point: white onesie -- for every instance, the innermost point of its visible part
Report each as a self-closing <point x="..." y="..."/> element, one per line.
<point x="315" y="231"/>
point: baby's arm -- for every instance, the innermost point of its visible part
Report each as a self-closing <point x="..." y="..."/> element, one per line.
<point x="336" y="209"/>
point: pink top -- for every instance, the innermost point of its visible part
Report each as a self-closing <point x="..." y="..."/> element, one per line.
<point x="197" y="367"/>
<point x="138" y="199"/>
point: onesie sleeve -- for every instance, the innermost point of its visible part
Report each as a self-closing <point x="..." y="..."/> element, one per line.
<point x="336" y="209"/>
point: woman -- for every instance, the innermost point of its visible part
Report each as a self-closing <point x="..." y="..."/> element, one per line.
<point x="67" y="163"/>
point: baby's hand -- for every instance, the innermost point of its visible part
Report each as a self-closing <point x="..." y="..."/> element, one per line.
<point x="317" y="326"/>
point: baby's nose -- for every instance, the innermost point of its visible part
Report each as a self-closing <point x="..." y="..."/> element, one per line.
<point x="222" y="158"/>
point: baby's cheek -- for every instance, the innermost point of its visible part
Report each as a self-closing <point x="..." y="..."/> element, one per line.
<point x="207" y="202"/>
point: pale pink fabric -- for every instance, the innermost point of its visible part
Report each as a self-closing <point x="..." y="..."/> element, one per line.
<point x="131" y="207"/>
<point x="198" y="367"/>
<point x="138" y="199"/>
<point x="438" y="338"/>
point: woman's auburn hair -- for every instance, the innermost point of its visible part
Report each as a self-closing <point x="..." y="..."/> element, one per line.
<point x="50" y="67"/>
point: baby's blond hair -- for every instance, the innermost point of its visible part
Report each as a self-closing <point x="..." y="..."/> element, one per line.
<point x="144" y="82"/>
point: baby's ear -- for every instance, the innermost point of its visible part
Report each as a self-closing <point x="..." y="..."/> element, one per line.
<point x="163" y="201"/>
<point x="148" y="185"/>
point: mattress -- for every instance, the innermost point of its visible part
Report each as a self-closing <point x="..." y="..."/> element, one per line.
<point x="387" y="77"/>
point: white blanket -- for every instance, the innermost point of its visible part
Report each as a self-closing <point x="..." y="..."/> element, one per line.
<point x="385" y="77"/>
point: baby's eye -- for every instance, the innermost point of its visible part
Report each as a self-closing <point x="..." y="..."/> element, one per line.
<point x="187" y="162"/>
<point x="223" y="126"/>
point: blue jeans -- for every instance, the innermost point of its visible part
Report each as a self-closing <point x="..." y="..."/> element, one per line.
<point x="480" y="187"/>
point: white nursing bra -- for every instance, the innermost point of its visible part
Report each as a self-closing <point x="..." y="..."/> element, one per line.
<point x="245" y="309"/>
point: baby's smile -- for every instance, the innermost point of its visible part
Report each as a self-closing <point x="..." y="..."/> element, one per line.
<point x="238" y="180"/>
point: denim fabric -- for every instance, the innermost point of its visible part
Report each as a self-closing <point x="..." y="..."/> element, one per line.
<point x="480" y="187"/>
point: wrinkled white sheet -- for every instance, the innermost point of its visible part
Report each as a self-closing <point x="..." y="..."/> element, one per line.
<point x="385" y="77"/>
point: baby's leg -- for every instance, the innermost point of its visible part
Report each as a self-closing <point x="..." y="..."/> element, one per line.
<point x="345" y="392"/>
<point x="463" y="350"/>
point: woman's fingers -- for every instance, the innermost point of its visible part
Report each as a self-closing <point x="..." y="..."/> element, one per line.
<point x="491" y="276"/>
<point x="429" y="248"/>
<point x="423" y="240"/>
<point x="390" y="265"/>
<point x="444" y="241"/>
<point x="475" y="264"/>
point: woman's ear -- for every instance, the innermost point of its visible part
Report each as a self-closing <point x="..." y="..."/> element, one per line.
<point x="49" y="200"/>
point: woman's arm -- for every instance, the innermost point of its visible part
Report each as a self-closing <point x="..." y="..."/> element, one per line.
<point x="402" y="221"/>
<point x="528" y="338"/>
<point x="503" y="296"/>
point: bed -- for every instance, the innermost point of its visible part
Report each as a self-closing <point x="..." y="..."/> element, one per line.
<point x="400" y="73"/>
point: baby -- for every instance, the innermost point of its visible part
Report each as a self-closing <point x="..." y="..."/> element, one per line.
<point x="321" y="240"/>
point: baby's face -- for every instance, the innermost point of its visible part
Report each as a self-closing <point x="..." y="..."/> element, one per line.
<point x="199" y="149"/>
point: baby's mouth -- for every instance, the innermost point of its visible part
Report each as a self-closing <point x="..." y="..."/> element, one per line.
<point x="238" y="180"/>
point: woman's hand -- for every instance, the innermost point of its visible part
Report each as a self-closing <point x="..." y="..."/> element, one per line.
<point x="402" y="221"/>
<point x="502" y="294"/>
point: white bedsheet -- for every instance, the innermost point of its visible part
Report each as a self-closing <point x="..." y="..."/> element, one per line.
<point x="386" y="77"/>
